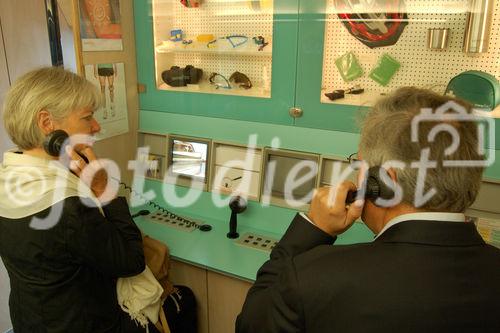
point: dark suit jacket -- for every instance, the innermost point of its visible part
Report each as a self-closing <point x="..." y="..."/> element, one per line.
<point x="418" y="276"/>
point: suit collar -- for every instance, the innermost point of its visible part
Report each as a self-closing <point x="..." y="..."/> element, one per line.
<point x="442" y="233"/>
<point x="423" y="216"/>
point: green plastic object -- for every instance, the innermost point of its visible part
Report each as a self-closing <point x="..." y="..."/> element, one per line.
<point x="384" y="71"/>
<point x="349" y="67"/>
<point x="476" y="87"/>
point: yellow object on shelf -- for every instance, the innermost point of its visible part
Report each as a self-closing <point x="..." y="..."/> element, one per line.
<point x="259" y="5"/>
<point x="205" y="38"/>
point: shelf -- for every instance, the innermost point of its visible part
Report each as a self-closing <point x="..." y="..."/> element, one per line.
<point x="221" y="47"/>
<point x="207" y="88"/>
<point x="368" y="98"/>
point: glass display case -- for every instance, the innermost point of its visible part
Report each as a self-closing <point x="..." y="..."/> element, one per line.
<point x="213" y="46"/>
<point x="372" y="47"/>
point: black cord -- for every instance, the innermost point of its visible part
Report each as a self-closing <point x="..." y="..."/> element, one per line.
<point x="202" y="227"/>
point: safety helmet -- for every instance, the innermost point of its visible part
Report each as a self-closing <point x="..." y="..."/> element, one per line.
<point x="376" y="23"/>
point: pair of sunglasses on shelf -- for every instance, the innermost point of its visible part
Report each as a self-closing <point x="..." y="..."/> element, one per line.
<point x="220" y="81"/>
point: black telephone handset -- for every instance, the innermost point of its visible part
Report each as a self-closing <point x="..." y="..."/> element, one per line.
<point x="375" y="188"/>
<point x="56" y="141"/>
<point x="351" y="197"/>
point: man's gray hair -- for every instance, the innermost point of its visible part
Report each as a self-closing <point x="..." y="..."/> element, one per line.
<point x="52" y="89"/>
<point x="386" y="136"/>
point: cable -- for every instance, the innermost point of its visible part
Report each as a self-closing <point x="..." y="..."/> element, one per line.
<point x="202" y="227"/>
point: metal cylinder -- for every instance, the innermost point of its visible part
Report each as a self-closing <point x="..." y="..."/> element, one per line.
<point x="478" y="26"/>
<point x="437" y="38"/>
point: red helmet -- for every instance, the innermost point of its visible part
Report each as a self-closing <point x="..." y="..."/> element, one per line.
<point x="365" y="20"/>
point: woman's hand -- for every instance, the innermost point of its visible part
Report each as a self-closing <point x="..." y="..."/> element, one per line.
<point x="329" y="211"/>
<point x="99" y="181"/>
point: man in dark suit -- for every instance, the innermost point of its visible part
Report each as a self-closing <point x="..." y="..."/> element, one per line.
<point x="427" y="270"/>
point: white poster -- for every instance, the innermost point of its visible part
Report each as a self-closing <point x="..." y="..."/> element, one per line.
<point x="113" y="114"/>
<point x="100" y="25"/>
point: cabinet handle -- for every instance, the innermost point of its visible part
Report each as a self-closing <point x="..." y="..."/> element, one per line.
<point x="295" y="112"/>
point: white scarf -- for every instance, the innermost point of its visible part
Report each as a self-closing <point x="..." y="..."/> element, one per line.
<point x="29" y="185"/>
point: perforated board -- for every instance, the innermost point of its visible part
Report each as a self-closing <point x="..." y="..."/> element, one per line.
<point x="420" y="66"/>
<point x="220" y="18"/>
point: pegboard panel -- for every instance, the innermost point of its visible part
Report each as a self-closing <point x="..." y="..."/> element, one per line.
<point x="220" y="18"/>
<point x="420" y="66"/>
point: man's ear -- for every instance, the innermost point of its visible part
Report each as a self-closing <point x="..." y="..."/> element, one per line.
<point x="45" y="122"/>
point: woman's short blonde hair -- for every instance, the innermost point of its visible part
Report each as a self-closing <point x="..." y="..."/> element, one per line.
<point x="52" y="89"/>
<point x="386" y="136"/>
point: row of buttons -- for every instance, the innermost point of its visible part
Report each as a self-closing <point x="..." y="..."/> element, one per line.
<point x="173" y="220"/>
<point x="257" y="242"/>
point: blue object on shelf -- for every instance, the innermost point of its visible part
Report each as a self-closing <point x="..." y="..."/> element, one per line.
<point x="176" y="35"/>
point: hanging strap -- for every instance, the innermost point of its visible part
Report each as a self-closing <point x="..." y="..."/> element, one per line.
<point x="163" y="320"/>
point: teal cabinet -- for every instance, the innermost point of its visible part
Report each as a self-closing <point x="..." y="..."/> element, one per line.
<point x="316" y="114"/>
<point x="304" y="49"/>
<point x="272" y="109"/>
<point x="323" y="38"/>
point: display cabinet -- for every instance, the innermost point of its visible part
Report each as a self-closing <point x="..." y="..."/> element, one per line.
<point x="314" y="49"/>
<point x="366" y="50"/>
<point x="230" y="59"/>
<point x="219" y="47"/>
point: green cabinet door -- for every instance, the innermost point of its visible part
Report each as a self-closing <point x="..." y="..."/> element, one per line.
<point x="269" y="110"/>
<point x="309" y="75"/>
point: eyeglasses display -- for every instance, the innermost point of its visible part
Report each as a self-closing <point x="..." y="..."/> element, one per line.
<point x="229" y="42"/>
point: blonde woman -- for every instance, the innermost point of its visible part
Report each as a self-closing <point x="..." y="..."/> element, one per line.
<point x="63" y="248"/>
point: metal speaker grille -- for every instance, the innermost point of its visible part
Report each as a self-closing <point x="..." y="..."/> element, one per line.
<point x="172" y="220"/>
<point x="257" y="242"/>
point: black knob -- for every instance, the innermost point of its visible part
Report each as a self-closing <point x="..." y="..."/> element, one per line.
<point x="238" y="205"/>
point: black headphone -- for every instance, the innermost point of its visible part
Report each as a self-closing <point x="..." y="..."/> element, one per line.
<point x="375" y="187"/>
<point x="54" y="142"/>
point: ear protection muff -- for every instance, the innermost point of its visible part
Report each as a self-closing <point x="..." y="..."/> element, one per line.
<point x="54" y="142"/>
<point x="376" y="187"/>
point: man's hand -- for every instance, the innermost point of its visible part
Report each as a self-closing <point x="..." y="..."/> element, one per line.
<point x="329" y="211"/>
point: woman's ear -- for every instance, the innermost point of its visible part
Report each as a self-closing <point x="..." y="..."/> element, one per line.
<point x="45" y="122"/>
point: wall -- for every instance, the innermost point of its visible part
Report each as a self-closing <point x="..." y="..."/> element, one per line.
<point x="5" y="143"/>
<point x="25" y="46"/>
<point x="121" y="149"/>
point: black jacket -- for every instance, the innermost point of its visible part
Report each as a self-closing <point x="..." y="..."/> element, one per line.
<point x="64" y="279"/>
<point x="418" y="276"/>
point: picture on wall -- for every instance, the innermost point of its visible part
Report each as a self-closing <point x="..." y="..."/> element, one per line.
<point x="100" y="25"/>
<point x="113" y="113"/>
